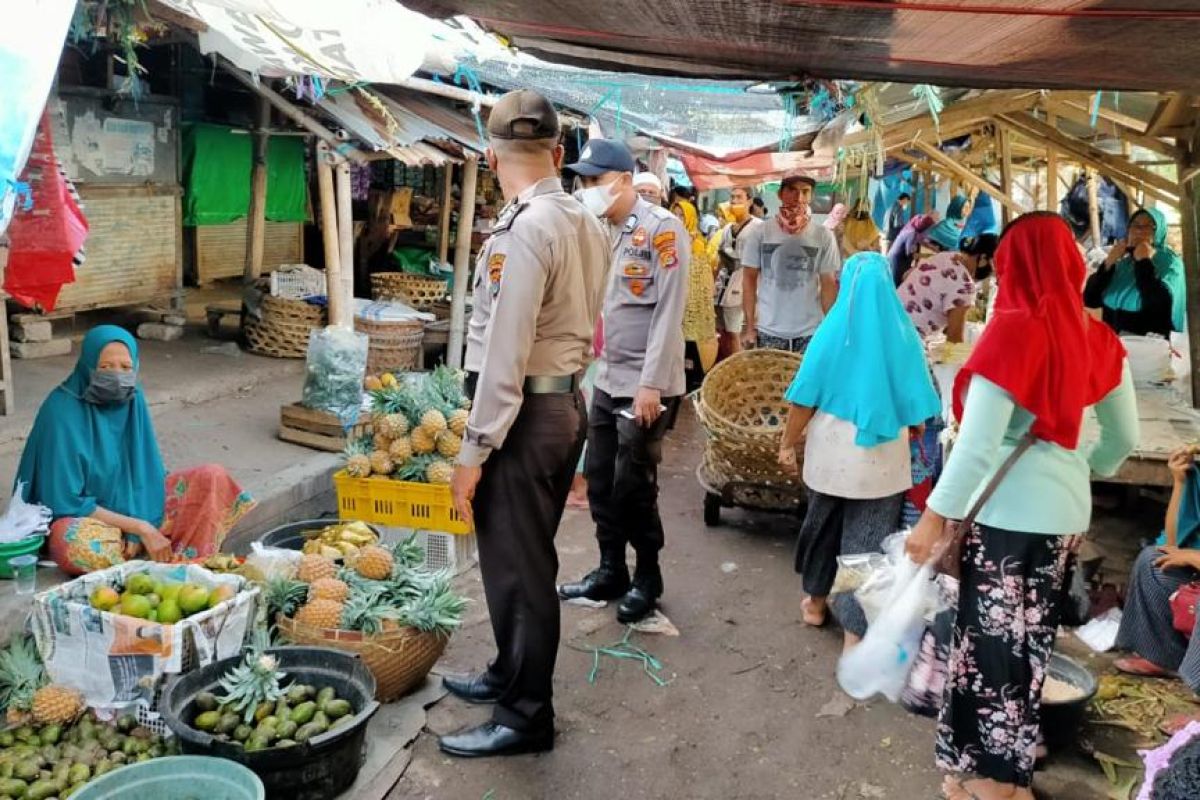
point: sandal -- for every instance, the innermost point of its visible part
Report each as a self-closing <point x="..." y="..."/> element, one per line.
<point x="962" y="786"/>
<point x="1144" y="668"/>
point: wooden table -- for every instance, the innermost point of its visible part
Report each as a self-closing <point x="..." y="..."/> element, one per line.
<point x="1167" y="422"/>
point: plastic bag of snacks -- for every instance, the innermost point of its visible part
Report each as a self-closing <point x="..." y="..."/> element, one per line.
<point x="337" y="364"/>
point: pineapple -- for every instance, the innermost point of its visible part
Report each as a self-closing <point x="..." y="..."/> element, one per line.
<point x="449" y="444"/>
<point x="380" y="442"/>
<point x="325" y="614"/>
<point x="314" y="567"/>
<point x="423" y="442"/>
<point x="369" y="611"/>
<point x="439" y="471"/>
<point x="374" y="563"/>
<point x="284" y="596"/>
<point x="381" y="463"/>
<point x="58" y="705"/>
<point x="433" y="421"/>
<point x="393" y="426"/>
<point x="253" y="682"/>
<point x="21" y="675"/>
<point x="458" y="421"/>
<point x="328" y="589"/>
<point x="401" y="450"/>
<point x="358" y="459"/>
<point x="447" y="382"/>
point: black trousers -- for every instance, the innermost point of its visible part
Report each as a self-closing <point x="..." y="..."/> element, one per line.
<point x="518" y="505"/>
<point x="622" y="477"/>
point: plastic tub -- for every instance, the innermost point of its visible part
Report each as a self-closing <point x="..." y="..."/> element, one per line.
<point x="319" y="769"/>
<point x="1061" y="721"/>
<point x="176" y="778"/>
<point x="291" y="536"/>
<point x="30" y="545"/>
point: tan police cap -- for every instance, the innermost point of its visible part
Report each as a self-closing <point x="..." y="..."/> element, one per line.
<point x="523" y="114"/>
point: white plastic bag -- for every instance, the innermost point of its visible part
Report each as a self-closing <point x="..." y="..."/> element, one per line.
<point x="274" y="562"/>
<point x="881" y="662"/>
<point x="22" y="519"/>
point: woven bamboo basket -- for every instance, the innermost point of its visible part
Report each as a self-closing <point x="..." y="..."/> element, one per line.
<point x="419" y="291"/>
<point x="399" y="659"/>
<point x="395" y="346"/>
<point x="284" y="328"/>
<point x="742" y="408"/>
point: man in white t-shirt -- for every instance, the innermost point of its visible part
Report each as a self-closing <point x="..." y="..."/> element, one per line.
<point x="789" y="272"/>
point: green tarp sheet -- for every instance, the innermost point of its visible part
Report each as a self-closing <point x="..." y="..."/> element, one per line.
<point x="216" y="176"/>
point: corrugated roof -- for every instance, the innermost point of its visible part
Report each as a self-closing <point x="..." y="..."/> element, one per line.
<point x="416" y="140"/>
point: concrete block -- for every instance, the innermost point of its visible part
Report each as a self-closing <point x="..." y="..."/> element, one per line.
<point x="174" y="320"/>
<point x="159" y="332"/>
<point x="54" y="347"/>
<point x="40" y="331"/>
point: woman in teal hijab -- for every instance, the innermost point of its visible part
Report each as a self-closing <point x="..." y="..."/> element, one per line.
<point x="1139" y="288"/>
<point x="93" y="460"/>
<point x="862" y="386"/>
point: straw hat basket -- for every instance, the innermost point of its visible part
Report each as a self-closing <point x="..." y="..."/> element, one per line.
<point x="395" y="345"/>
<point x="419" y="291"/>
<point x="398" y="659"/>
<point x="743" y="411"/>
<point x="284" y="328"/>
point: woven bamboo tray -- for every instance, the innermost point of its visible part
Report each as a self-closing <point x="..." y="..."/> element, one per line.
<point x="284" y="329"/>
<point x="419" y="291"/>
<point x="395" y="346"/>
<point x="399" y="660"/>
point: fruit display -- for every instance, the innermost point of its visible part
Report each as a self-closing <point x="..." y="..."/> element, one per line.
<point x="339" y="540"/>
<point x="163" y="601"/>
<point x="381" y="589"/>
<point x="258" y="712"/>
<point x="418" y="421"/>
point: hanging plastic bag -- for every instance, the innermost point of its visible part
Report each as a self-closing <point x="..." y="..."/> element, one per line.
<point x="337" y="364"/>
<point x="881" y="662"/>
<point x="23" y="519"/>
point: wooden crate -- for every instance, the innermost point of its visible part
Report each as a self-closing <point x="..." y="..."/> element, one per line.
<point x="319" y="430"/>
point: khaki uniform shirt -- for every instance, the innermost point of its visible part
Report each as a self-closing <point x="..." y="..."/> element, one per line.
<point x="539" y="284"/>
<point x="643" y="309"/>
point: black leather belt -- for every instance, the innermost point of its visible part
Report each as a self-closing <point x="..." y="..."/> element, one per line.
<point x="536" y="384"/>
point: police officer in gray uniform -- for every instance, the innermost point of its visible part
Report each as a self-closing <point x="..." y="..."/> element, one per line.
<point x="539" y="287"/>
<point x="639" y="383"/>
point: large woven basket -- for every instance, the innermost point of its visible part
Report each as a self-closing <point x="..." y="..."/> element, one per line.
<point x="399" y="659"/>
<point x="395" y="346"/>
<point x="419" y="291"/>
<point x="742" y="408"/>
<point x="284" y="328"/>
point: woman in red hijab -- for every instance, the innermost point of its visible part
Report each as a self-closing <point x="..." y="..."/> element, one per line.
<point x="1042" y="361"/>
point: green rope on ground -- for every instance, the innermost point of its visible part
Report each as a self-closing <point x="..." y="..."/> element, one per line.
<point x="627" y="651"/>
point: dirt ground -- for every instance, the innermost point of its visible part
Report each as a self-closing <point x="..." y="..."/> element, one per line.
<point x="739" y="719"/>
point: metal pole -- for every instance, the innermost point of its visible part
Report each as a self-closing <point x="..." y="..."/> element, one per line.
<point x="462" y="257"/>
<point x="447" y="207"/>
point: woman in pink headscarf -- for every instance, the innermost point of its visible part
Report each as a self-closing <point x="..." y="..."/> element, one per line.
<point x="905" y="245"/>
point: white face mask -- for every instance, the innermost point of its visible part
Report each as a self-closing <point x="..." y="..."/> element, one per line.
<point x="598" y="199"/>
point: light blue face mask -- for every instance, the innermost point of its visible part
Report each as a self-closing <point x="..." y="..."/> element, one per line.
<point x="110" y="387"/>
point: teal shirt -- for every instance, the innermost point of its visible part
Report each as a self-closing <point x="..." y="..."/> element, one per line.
<point x="1049" y="490"/>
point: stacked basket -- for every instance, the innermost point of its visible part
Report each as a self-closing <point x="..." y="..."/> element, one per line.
<point x="395" y="345"/>
<point x="418" y="291"/>
<point x="743" y="410"/>
<point x="284" y="328"/>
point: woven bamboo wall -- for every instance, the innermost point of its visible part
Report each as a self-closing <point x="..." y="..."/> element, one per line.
<point x="221" y="249"/>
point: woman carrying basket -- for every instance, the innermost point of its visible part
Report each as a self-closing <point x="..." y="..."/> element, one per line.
<point x="1040" y="363"/>
<point x="863" y="383"/>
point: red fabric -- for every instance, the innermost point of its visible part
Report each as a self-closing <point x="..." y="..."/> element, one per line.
<point x="1039" y="345"/>
<point x="43" y="241"/>
<point x="1183" y="608"/>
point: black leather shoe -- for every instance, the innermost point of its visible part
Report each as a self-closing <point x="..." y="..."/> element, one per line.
<point x="494" y="739"/>
<point x="609" y="582"/>
<point x="472" y="688"/>
<point x="641" y="599"/>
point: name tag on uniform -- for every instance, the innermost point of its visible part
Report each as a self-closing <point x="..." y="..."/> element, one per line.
<point x="636" y="270"/>
<point x="638" y="252"/>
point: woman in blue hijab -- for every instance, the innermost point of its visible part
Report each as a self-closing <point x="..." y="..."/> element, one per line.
<point x="1139" y="288"/>
<point x="93" y="460"/>
<point x="862" y="386"/>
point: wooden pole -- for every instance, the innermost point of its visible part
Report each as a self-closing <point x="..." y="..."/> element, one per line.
<point x="447" y="209"/>
<point x="256" y="218"/>
<point x="329" y="232"/>
<point x="929" y="187"/>
<point x="1191" y="255"/>
<point x="345" y="227"/>
<point x="462" y="257"/>
<point x="8" y="400"/>
<point x="1052" y="169"/>
<point x="1006" y="170"/>
<point x="1093" y="190"/>
<point x="968" y="178"/>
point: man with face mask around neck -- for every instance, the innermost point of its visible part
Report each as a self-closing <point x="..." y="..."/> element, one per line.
<point x="639" y="384"/>
<point x="539" y="285"/>
<point x="789" y="272"/>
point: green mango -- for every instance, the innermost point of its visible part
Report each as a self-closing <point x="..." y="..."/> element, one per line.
<point x="308" y="731"/>
<point x="304" y="713"/>
<point x="41" y="790"/>
<point x="79" y="773"/>
<point x="242" y="732"/>
<point x="207" y="721"/>
<point x="325" y="695"/>
<point x="335" y="709"/>
<point x="13" y="787"/>
<point x="228" y="723"/>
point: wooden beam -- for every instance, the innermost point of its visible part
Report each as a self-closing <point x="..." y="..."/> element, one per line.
<point x="1028" y="125"/>
<point x="345" y="226"/>
<point x="256" y="217"/>
<point x="1082" y="116"/>
<point x="963" y="113"/>
<point x="445" y="211"/>
<point x="1173" y="113"/>
<point x="329" y="232"/>
<point x="952" y="167"/>
<point x="1052" y="171"/>
<point x="462" y="262"/>
<point x="1191" y="253"/>
<point x="1004" y="137"/>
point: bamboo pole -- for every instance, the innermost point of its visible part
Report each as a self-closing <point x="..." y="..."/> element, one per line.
<point x="329" y="232"/>
<point x="447" y="208"/>
<point x="1191" y="256"/>
<point x="1052" y="169"/>
<point x="256" y="218"/>
<point x="1093" y="191"/>
<point x="345" y="227"/>
<point x="1006" y="170"/>
<point x="957" y="171"/>
<point x="462" y="257"/>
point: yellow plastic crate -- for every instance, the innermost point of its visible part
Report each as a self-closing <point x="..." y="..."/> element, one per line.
<point x="399" y="503"/>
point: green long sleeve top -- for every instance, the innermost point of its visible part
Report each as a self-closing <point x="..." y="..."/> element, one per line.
<point x="1049" y="490"/>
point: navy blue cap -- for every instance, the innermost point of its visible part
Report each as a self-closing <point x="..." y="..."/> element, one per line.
<point x="603" y="155"/>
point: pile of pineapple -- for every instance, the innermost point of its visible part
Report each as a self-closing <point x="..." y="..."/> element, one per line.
<point x="418" y="421"/>
<point x="380" y="590"/>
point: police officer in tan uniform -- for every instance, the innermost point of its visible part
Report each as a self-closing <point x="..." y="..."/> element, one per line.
<point x="539" y="285"/>
<point x="639" y="383"/>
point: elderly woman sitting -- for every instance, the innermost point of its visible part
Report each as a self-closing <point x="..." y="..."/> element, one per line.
<point x="92" y="458"/>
